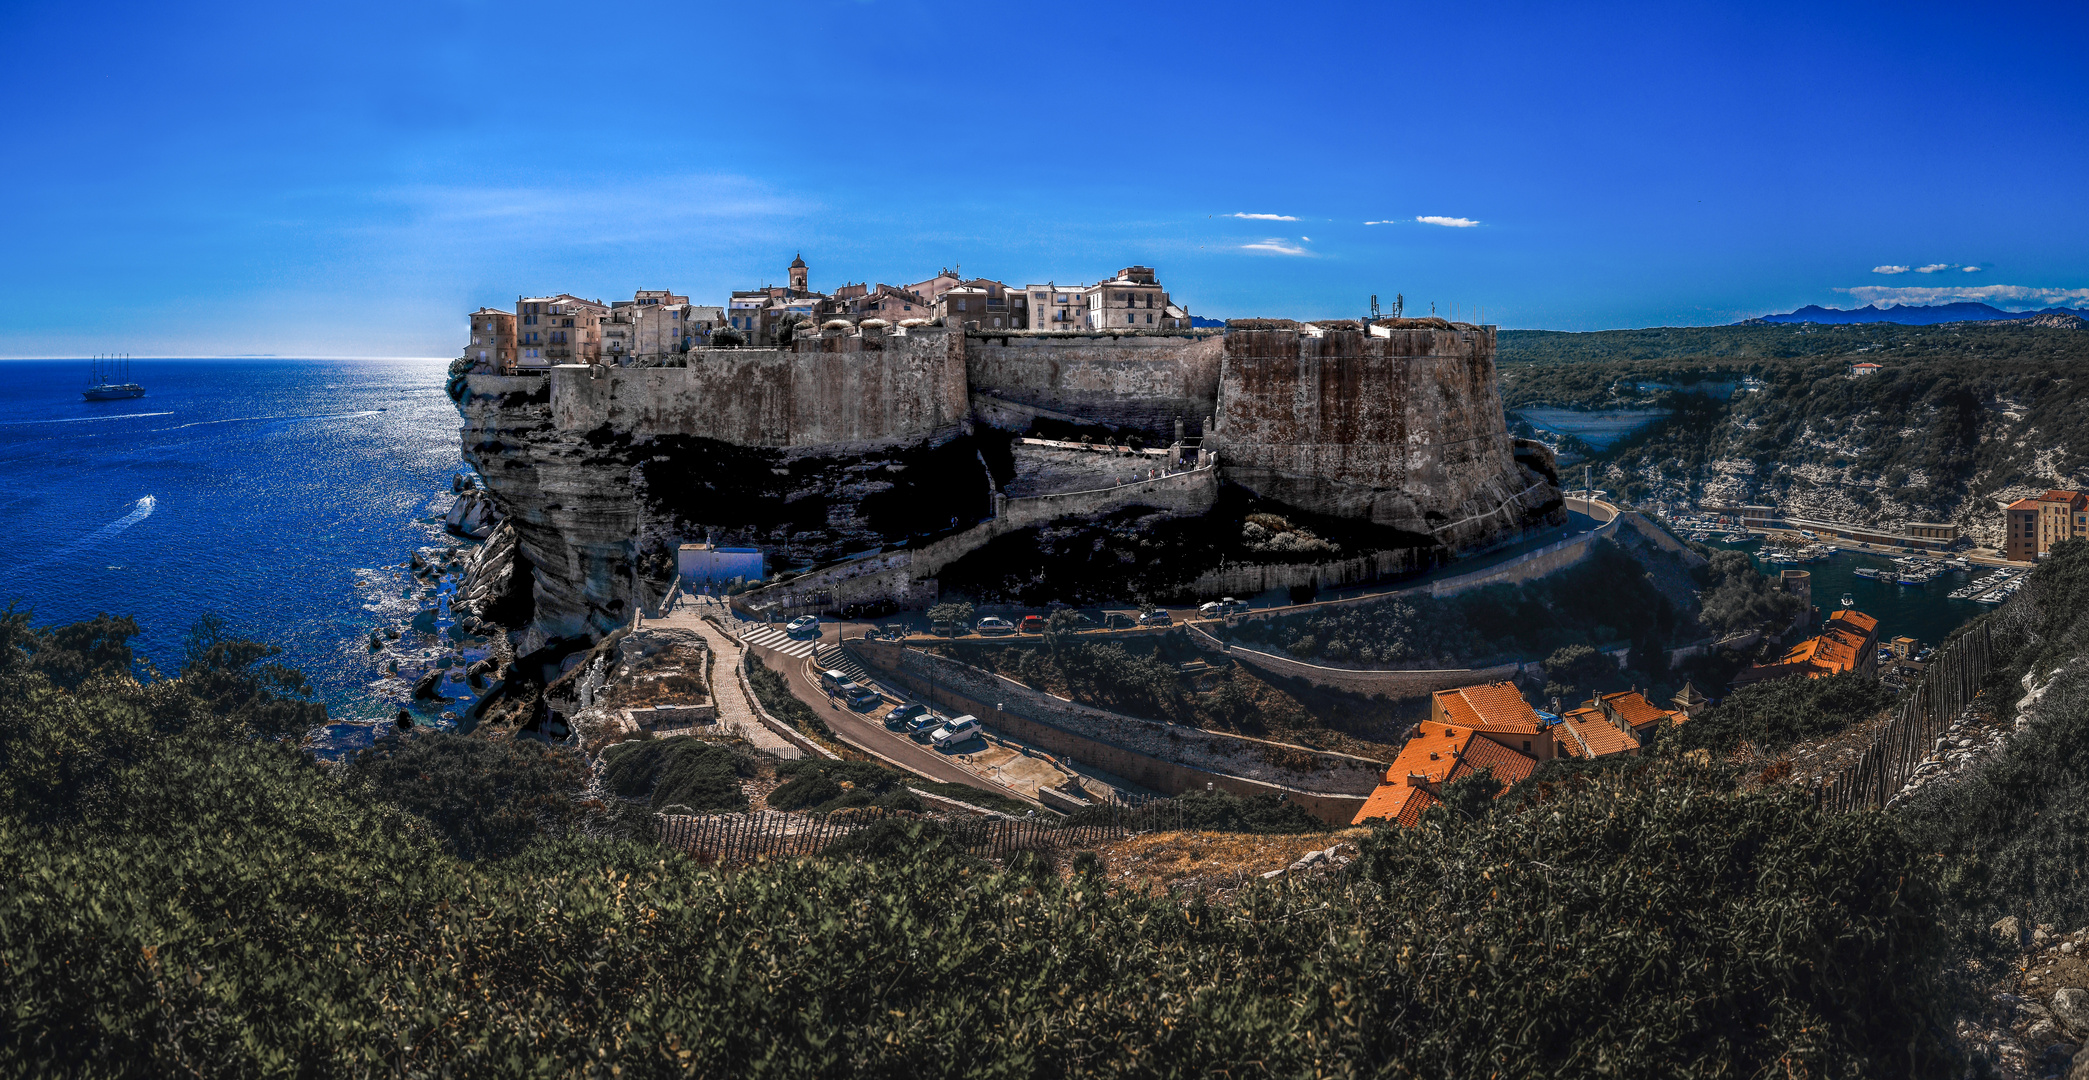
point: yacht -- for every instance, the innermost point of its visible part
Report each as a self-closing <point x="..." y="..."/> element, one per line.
<point x="105" y="388"/>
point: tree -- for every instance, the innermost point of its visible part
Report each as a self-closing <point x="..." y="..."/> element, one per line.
<point x="1576" y="671"/>
<point x="958" y="613"/>
<point x="485" y="799"/>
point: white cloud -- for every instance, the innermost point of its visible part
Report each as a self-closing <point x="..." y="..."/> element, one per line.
<point x="1307" y="239"/>
<point x="1452" y="222"/>
<point x="1889" y="269"/>
<point x="1275" y="246"/>
<point x="1932" y="268"/>
<point x="1381" y="223"/>
<point x="1986" y="294"/>
<point x="1264" y="217"/>
<point x="1970" y="269"/>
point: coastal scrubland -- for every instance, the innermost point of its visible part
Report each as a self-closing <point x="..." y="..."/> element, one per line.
<point x="189" y="892"/>
<point x="1959" y="414"/>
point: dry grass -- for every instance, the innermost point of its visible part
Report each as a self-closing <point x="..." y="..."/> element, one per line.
<point x="1207" y="862"/>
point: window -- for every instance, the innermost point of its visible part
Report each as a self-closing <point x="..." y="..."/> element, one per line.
<point x="961" y="305"/>
<point x="1039" y="296"/>
<point x="1131" y="319"/>
<point x="997" y="324"/>
<point x="1149" y="316"/>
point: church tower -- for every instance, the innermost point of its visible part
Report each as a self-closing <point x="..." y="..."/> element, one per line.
<point x="798" y="275"/>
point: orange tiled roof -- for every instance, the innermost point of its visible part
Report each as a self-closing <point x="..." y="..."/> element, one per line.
<point x="1489" y="707"/>
<point x="1864" y="623"/>
<point x="2024" y="504"/>
<point x="1591" y="735"/>
<point x="1636" y="710"/>
<point x="2072" y="498"/>
<point x="1509" y="766"/>
<point x="1438" y="754"/>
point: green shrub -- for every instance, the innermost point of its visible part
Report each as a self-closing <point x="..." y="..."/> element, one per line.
<point x="484" y="798"/>
<point x="774" y="692"/>
<point x="684" y="771"/>
<point x="1775" y="714"/>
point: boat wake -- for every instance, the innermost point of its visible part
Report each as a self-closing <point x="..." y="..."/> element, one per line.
<point x="85" y="419"/>
<point x="292" y="416"/>
<point x="140" y="510"/>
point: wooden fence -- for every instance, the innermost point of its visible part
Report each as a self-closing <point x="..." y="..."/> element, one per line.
<point x="1947" y="686"/>
<point x="730" y="839"/>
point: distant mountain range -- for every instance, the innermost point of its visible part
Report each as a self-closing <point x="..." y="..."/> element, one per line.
<point x="1911" y="315"/>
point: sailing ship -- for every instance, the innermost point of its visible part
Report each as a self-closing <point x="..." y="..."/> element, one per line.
<point x="105" y="388"/>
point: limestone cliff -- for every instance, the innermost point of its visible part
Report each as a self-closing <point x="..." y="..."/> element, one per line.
<point x="855" y="441"/>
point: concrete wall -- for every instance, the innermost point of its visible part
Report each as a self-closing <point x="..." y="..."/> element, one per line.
<point x="1165" y="757"/>
<point x="1137" y="381"/>
<point x="1393" y="684"/>
<point x="1403" y="427"/>
<point x="828" y="391"/>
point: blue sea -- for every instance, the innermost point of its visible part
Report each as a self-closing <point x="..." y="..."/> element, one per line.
<point x="280" y="494"/>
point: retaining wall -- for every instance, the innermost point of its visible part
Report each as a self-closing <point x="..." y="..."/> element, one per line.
<point x="1165" y="757"/>
<point x="1394" y="684"/>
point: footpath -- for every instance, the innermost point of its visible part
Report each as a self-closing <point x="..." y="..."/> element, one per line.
<point x="735" y="713"/>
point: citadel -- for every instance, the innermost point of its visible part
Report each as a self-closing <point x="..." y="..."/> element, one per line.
<point x="873" y="445"/>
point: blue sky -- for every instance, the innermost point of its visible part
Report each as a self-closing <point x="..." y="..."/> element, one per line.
<point x="350" y="179"/>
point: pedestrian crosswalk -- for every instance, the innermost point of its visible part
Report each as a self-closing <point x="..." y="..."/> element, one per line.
<point x="770" y="637"/>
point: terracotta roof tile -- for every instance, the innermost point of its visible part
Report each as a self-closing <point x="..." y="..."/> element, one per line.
<point x="1438" y="754"/>
<point x="1591" y="735"/>
<point x="1489" y="707"/>
<point x="1509" y="766"/>
<point x="1636" y="710"/>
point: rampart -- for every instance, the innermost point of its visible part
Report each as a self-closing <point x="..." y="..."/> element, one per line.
<point x="824" y="392"/>
<point x="1401" y="426"/>
<point x="1140" y="381"/>
<point x="1170" y="758"/>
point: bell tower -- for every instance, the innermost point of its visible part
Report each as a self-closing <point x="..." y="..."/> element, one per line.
<point x="798" y="275"/>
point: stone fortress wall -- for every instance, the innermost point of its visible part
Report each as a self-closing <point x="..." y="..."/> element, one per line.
<point x="1401" y="425"/>
<point x="835" y="390"/>
<point x="1140" y="381"/>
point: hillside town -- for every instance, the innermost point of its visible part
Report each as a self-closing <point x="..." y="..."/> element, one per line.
<point x="655" y="325"/>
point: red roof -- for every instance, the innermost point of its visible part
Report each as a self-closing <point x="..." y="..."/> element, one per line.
<point x="1636" y="710"/>
<point x="1489" y="707"/>
<point x="1591" y="735"/>
<point x="1438" y="754"/>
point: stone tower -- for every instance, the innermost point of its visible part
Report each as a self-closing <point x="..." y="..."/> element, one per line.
<point x="798" y="275"/>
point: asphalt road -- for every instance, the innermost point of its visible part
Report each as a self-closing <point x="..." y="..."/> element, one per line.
<point x="870" y="735"/>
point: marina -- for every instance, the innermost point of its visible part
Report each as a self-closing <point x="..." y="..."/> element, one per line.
<point x="1919" y="596"/>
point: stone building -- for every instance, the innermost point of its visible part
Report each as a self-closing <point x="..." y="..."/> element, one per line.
<point x="1057" y="307"/>
<point x="2037" y="523"/>
<point x="554" y="330"/>
<point x="492" y="347"/>
<point x="759" y="314"/>
<point x="1133" y="300"/>
<point x="983" y="304"/>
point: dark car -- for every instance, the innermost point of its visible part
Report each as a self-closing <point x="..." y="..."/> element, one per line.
<point x="897" y="719"/>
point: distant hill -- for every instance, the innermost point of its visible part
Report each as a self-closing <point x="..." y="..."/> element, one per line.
<point x="1199" y="321"/>
<point x="1910" y="315"/>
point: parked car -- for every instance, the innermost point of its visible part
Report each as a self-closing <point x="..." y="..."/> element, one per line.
<point x="1156" y="617"/>
<point x="897" y="719"/>
<point x="1119" y="620"/>
<point x="803" y="626"/>
<point x="833" y="681"/>
<point x="862" y="698"/>
<point x="921" y="727"/>
<point x="994" y="624"/>
<point x="1032" y="624"/>
<point x="1218" y="609"/>
<point x="955" y="730"/>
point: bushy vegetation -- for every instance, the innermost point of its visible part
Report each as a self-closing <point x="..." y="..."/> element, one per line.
<point x="1209" y="811"/>
<point x="1775" y="714"/>
<point x="1737" y="599"/>
<point x="2019" y="827"/>
<point x="484" y="798"/>
<point x="821" y="786"/>
<point x="774" y="692"/>
<point x="685" y="773"/>
<point x="1603" y="599"/>
<point x="1914" y="430"/>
